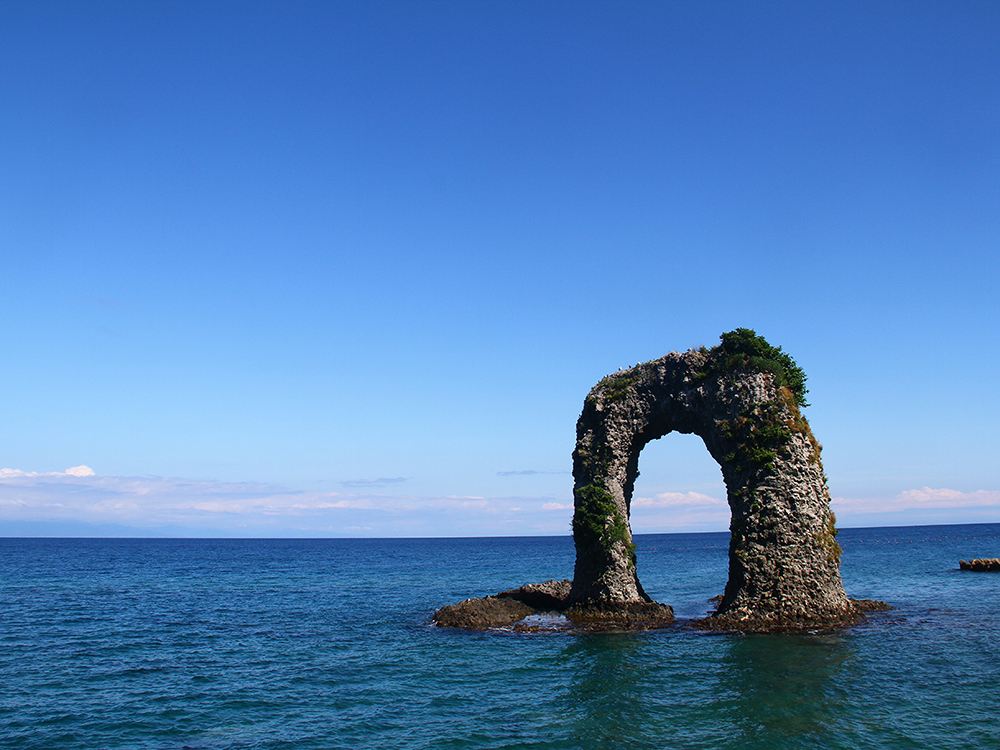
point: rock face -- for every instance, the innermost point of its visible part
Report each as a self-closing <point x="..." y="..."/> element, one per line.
<point x="742" y="399"/>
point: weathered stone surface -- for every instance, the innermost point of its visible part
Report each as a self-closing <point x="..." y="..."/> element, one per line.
<point x="981" y="565"/>
<point x="769" y="622"/>
<point x="550" y="595"/>
<point x="483" y="613"/>
<point x="742" y="398"/>
<point x="620" y="615"/>
<point x="508" y="608"/>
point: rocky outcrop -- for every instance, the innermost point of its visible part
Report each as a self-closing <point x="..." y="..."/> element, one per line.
<point x="509" y="609"/>
<point x="985" y="565"/>
<point x="483" y="613"/>
<point x="743" y="399"/>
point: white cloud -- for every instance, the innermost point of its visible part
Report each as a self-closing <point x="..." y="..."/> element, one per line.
<point x="82" y="495"/>
<point x="692" y="511"/>
<point x="380" y="482"/>
<point x="670" y="512"/>
<point x="177" y="506"/>
<point x="227" y="508"/>
<point x="924" y="498"/>
<point x="926" y="505"/>
<point x="675" y="499"/>
<point x="73" y="471"/>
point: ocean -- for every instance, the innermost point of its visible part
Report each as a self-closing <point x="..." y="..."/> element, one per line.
<point x="230" y="644"/>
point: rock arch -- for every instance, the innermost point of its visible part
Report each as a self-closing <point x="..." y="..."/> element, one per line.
<point x="743" y="399"/>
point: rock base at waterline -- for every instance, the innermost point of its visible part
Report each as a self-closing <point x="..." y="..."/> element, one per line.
<point x="508" y="609"/>
<point x="777" y="622"/>
<point x="546" y="606"/>
<point x="615" y="616"/>
<point x="987" y="565"/>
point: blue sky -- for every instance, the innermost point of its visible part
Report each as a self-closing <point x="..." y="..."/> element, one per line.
<point x="310" y="269"/>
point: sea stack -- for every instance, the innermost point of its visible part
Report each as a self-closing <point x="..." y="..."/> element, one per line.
<point x="743" y="398"/>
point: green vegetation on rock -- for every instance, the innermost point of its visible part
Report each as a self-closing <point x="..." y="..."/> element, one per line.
<point x="743" y="349"/>
<point x="617" y="386"/>
<point x="744" y="398"/>
<point x="756" y="435"/>
<point x="597" y="520"/>
<point x="828" y="538"/>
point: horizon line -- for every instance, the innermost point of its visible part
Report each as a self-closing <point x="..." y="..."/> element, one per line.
<point x="421" y="538"/>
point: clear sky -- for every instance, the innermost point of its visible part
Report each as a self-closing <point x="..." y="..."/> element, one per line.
<point x="340" y="269"/>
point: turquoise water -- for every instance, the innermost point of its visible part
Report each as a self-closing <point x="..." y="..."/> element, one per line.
<point x="212" y="644"/>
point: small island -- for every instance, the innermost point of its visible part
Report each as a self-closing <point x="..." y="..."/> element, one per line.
<point x="743" y="398"/>
<point x="981" y="565"/>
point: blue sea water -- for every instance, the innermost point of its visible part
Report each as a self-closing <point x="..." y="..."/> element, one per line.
<point x="232" y="644"/>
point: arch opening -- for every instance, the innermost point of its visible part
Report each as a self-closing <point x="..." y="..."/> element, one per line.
<point x="679" y="488"/>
